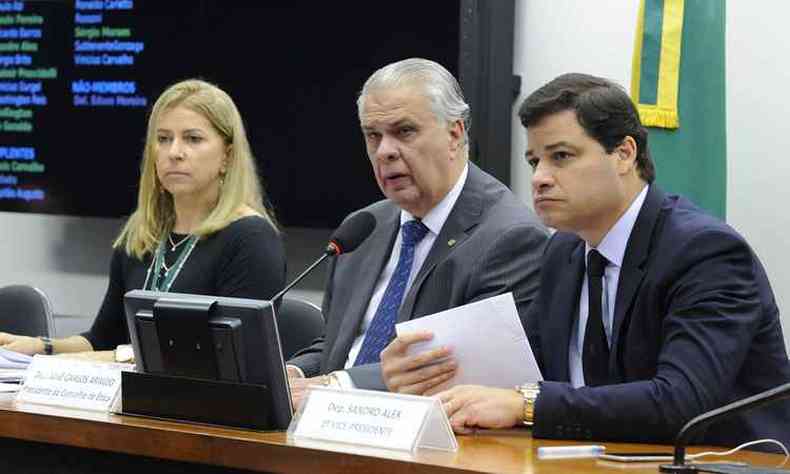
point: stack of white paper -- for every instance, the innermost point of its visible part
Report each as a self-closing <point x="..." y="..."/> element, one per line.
<point x="488" y="342"/>
<point x="12" y="375"/>
<point x="13" y="366"/>
<point x="13" y="360"/>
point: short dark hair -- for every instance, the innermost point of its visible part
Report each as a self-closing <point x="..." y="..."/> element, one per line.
<point x="602" y="108"/>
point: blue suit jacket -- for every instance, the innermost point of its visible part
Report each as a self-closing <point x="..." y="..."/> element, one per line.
<point x="695" y="327"/>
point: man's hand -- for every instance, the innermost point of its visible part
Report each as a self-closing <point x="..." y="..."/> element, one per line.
<point x="24" y="344"/>
<point x="470" y="406"/>
<point x="300" y="383"/>
<point x="419" y="374"/>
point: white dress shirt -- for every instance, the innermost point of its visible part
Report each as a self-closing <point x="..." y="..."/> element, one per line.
<point x="612" y="247"/>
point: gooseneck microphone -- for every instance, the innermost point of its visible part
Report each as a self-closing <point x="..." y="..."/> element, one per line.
<point x="346" y="238"/>
<point x="696" y="424"/>
<point x="351" y="233"/>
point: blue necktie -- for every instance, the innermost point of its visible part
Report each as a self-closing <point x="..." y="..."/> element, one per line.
<point x="382" y="328"/>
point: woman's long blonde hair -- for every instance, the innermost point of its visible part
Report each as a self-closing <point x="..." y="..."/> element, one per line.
<point x="155" y="214"/>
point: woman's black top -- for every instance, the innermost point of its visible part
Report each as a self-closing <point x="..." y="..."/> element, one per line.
<point x="246" y="259"/>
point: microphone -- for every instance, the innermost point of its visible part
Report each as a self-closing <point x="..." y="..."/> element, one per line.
<point x="346" y="238"/>
<point x="696" y="424"/>
<point x="351" y="233"/>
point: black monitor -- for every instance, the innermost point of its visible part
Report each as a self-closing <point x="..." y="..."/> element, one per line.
<point x="232" y="340"/>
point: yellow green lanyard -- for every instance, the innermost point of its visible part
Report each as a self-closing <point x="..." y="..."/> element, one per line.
<point x="164" y="277"/>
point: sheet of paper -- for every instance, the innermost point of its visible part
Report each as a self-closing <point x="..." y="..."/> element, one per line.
<point x="12" y="375"/>
<point x="488" y="342"/>
<point x="9" y="387"/>
<point x="13" y="360"/>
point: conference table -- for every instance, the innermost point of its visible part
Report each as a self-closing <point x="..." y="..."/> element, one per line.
<point x="38" y="438"/>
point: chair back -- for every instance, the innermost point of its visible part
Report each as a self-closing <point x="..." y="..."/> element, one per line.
<point x="299" y="323"/>
<point x="25" y="310"/>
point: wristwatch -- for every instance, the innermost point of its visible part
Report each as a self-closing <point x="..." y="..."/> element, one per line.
<point x="530" y="392"/>
<point x="48" y="349"/>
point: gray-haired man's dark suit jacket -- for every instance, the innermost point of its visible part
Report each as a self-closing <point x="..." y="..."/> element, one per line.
<point x="490" y="244"/>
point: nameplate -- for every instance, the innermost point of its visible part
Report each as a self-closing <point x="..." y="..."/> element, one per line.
<point x="72" y="383"/>
<point x="370" y="418"/>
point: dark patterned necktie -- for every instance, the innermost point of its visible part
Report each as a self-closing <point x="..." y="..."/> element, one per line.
<point x="595" y="355"/>
<point x="382" y="328"/>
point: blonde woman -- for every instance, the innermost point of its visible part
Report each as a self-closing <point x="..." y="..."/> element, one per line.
<point x="200" y="225"/>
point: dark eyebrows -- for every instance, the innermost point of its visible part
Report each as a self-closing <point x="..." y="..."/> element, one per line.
<point x="560" y="144"/>
<point x="551" y="147"/>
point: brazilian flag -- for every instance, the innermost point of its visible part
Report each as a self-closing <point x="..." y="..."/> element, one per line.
<point x="678" y="85"/>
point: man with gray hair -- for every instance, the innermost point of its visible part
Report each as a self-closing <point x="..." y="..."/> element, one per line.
<point x="447" y="234"/>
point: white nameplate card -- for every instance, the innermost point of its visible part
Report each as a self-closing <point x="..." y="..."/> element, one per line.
<point x="72" y="383"/>
<point x="370" y="418"/>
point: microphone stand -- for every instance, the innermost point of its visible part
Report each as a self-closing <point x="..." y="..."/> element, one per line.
<point x="302" y="275"/>
<point x="695" y="425"/>
<point x="352" y="232"/>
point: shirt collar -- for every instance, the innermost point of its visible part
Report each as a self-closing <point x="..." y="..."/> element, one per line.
<point x="437" y="216"/>
<point x="613" y="244"/>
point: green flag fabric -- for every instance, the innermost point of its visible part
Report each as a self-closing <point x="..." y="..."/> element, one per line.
<point x="692" y="158"/>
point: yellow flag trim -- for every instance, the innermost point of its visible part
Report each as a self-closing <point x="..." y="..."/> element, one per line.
<point x="664" y="113"/>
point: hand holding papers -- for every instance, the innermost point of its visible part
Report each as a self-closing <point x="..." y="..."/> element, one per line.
<point x="487" y="340"/>
<point x="489" y="347"/>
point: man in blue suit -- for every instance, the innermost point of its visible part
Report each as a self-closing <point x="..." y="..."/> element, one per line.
<point x="650" y="312"/>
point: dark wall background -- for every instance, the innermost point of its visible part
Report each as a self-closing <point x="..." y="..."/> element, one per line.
<point x="293" y="68"/>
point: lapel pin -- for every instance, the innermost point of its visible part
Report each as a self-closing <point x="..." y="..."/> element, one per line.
<point x="451" y="242"/>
